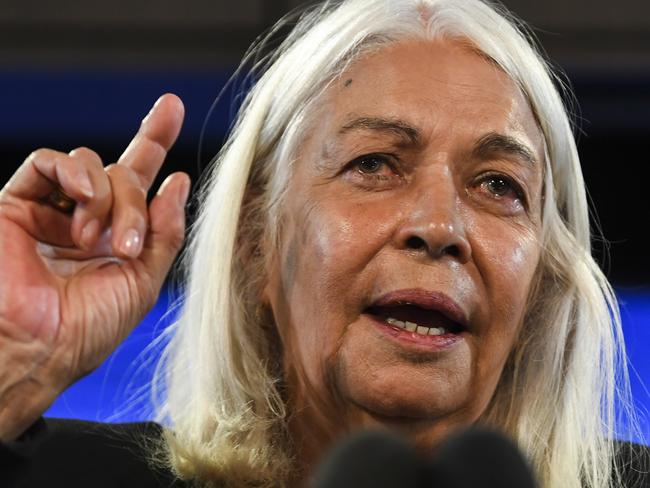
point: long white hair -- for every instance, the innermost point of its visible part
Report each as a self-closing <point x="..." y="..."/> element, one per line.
<point x="220" y="377"/>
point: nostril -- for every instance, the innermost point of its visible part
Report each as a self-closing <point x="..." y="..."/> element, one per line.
<point x="453" y="251"/>
<point x="416" y="243"/>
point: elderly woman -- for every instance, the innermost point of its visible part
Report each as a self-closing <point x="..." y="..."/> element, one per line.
<point x="394" y="236"/>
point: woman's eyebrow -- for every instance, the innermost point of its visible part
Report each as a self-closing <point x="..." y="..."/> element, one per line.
<point x="493" y="142"/>
<point x="490" y="143"/>
<point x="409" y="134"/>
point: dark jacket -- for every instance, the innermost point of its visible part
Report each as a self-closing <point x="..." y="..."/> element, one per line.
<point x="74" y="454"/>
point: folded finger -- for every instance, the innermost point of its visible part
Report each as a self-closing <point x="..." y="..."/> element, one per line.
<point x="46" y="191"/>
<point x="91" y="215"/>
<point x="43" y="171"/>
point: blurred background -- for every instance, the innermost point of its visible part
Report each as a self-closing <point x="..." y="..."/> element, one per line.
<point x="76" y="72"/>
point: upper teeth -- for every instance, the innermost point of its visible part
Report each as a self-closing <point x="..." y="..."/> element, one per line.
<point x="418" y="329"/>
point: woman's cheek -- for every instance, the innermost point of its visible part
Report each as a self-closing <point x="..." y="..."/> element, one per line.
<point x="325" y="275"/>
<point x="522" y="258"/>
<point x="514" y="255"/>
<point x="344" y="237"/>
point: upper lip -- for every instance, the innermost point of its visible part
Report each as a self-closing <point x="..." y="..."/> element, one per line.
<point x="427" y="300"/>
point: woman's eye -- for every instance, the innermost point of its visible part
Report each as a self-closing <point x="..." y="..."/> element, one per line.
<point x="502" y="189"/>
<point x="374" y="172"/>
<point x="499" y="186"/>
<point x="370" y="164"/>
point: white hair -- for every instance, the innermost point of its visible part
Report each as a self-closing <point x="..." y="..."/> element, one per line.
<point x="221" y="372"/>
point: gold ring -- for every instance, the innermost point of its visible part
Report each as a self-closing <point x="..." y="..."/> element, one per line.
<point x="60" y="201"/>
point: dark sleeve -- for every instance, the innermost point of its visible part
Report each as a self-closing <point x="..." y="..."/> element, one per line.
<point x="72" y="453"/>
<point x="14" y="456"/>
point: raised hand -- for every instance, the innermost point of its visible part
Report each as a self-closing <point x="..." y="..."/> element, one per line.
<point x="82" y="259"/>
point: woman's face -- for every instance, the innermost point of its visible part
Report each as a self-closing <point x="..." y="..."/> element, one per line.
<point x="414" y="203"/>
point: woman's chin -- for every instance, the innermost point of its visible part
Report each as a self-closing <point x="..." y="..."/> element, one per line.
<point x="424" y="428"/>
<point x="392" y="386"/>
<point x="401" y="395"/>
<point x="401" y="406"/>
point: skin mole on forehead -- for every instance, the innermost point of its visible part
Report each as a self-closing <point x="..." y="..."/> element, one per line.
<point x="348" y="82"/>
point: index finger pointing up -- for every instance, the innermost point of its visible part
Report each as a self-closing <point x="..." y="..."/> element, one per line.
<point x="158" y="131"/>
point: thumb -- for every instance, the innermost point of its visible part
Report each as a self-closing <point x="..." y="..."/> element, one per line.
<point x="167" y="226"/>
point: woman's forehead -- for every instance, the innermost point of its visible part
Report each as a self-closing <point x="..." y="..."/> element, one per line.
<point x="435" y="87"/>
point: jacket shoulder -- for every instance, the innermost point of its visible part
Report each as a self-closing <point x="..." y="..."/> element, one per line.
<point x="74" y="453"/>
<point x="633" y="463"/>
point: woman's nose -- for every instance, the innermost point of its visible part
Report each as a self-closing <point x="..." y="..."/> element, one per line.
<point x="434" y="225"/>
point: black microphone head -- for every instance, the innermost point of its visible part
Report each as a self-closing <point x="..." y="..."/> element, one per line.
<point x="372" y="460"/>
<point x="480" y="458"/>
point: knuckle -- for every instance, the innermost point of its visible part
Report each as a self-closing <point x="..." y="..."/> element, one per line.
<point x="40" y="153"/>
<point x="112" y="168"/>
<point x="118" y="171"/>
<point x="86" y="154"/>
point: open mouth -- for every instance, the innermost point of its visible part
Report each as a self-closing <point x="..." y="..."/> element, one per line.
<point x="419" y="312"/>
<point x="413" y="318"/>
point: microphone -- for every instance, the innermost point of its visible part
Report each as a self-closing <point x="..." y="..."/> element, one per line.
<point x="475" y="458"/>
<point x="372" y="459"/>
<point x="481" y="458"/>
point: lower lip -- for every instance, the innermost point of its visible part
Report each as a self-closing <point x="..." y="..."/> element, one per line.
<point x="435" y="343"/>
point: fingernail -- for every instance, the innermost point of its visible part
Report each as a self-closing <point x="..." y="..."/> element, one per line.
<point x="148" y="116"/>
<point x="183" y="192"/>
<point x="89" y="232"/>
<point x="85" y="185"/>
<point x="131" y="243"/>
<point x="165" y="184"/>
